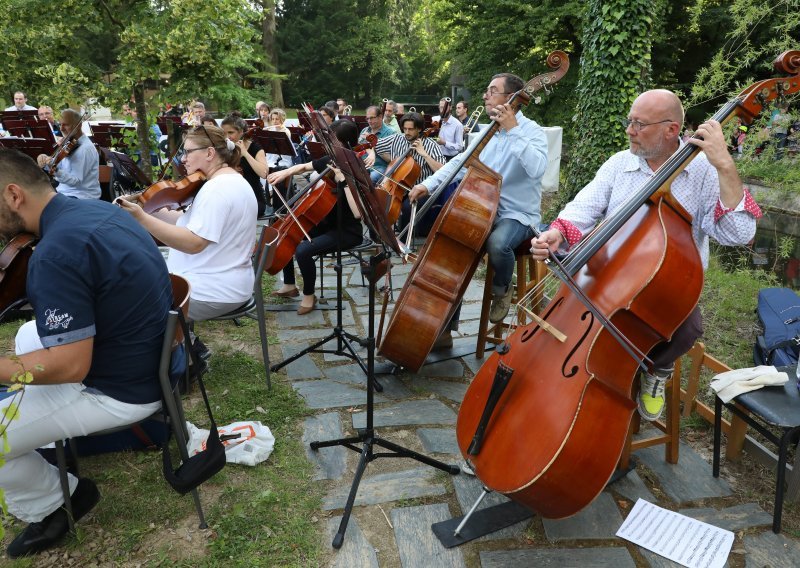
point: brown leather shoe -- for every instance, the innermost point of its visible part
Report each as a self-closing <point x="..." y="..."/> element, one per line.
<point x="289" y="294"/>
<point x="303" y="310"/>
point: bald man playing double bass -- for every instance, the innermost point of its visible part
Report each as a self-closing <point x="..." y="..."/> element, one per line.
<point x="709" y="189"/>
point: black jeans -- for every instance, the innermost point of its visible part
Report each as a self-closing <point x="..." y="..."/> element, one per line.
<point x="307" y="250"/>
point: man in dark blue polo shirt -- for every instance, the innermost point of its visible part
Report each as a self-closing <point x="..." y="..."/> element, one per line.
<point x="100" y="292"/>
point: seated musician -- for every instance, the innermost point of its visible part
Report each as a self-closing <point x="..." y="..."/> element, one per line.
<point x="253" y="162"/>
<point x="376" y="126"/>
<point x="211" y="243"/>
<point x="518" y="152"/>
<point x="46" y="115"/>
<point x="78" y="175"/>
<point x="20" y="103"/>
<point x="451" y="132"/>
<point x="462" y="112"/>
<point x="100" y="293"/>
<point x="425" y="151"/>
<point x="263" y="112"/>
<point x="325" y="236"/>
<point x="389" y="118"/>
<point x="709" y="189"/>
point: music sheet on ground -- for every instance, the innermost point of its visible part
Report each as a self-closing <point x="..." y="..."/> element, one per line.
<point x="677" y="537"/>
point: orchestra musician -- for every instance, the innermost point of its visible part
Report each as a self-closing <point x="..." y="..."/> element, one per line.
<point x="100" y="293"/>
<point x="78" y="175"/>
<point x="264" y="112"/>
<point x="388" y="116"/>
<point x="253" y="162"/>
<point x="451" y="132"/>
<point x="46" y="115"/>
<point x="376" y="126"/>
<point x="709" y="189"/>
<point x="325" y="236"/>
<point x="194" y="116"/>
<point x="20" y="102"/>
<point x="518" y="152"/>
<point x="211" y="243"/>
<point x="462" y="112"/>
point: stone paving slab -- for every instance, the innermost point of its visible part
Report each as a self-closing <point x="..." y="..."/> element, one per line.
<point x="356" y="550"/>
<point x="600" y="557"/>
<point x="632" y="488"/>
<point x="304" y="335"/>
<point x="600" y="520"/>
<point x="688" y="480"/>
<point x="408" y="413"/>
<point x="439" y="440"/>
<point x="393" y="388"/>
<point x="329" y="462"/>
<point x="291" y="319"/>
<point x="385" y="487"/>
<point x="473" y="362"/>
<point x="334" y="358"/>
<point x="468" y="489"/>
<point x="302" y="368"/>
<point x="733" y="519"/>
<point x="452" y="368"/>
<point x="359" y="295"/>
<point x="772" y="550"/>
<point x="417" y="544"/>
<point x="450" y="390"/>
<point x="324" y="393"/>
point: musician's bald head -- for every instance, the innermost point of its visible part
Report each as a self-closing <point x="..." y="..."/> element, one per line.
<point x="667" y="102"/>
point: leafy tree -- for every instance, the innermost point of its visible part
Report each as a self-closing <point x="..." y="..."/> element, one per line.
<point x="615" y="68"/>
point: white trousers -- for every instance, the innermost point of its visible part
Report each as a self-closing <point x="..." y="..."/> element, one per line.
<point x="48" y="413"/>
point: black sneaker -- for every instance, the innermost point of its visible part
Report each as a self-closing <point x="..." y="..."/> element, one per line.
<point x="201" y="350"/>
<point x="49" y="531"/>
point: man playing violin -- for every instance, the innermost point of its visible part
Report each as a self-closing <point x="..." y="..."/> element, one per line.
<point x="518" y="152"/>
<point x="100" y="294"/>
<point x="451" y="131"/>
<point x="709" y="189"/>
<point x="78" y="175"/>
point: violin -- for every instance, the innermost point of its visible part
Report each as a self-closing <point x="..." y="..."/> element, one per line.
<point x="14" y="271"/>
<point x="170" y="194"/>
<point x="566" y="377"/>
<point x="257" y="125"/>
<point x="66" y="147"/>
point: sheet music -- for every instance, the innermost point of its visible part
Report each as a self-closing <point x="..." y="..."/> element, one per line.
<point x="689" y="542"/>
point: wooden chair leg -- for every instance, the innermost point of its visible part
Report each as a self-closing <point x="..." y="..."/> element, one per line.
<point x="673" y="418"/>
<point x="483" y="324"/>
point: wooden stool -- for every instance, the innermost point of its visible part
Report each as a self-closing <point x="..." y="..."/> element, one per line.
<point x="669" y="425"/>
<point x="529" y="273"/>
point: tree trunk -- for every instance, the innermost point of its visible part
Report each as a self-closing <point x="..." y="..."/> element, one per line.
<point x="142" y="129"/>
<point x="268" y="42"/>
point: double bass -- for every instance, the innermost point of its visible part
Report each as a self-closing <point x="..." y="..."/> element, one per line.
<point x="639" y="270"/>
<point x="448" y="260"/>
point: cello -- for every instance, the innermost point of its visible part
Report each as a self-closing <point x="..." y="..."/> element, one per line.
<point x="14" y="271"/>
<point x="453" y="249"/>
<point x="572" y="389"/>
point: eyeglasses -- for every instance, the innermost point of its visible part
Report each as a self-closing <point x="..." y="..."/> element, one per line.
<point x="637" y="125"/>
<point x="187" y="151"/>
<point x="492" y="91"/>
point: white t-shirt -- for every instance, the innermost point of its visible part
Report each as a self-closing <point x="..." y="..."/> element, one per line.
<point x="224" y="212"/>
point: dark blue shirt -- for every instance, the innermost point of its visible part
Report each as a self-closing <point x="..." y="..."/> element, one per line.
<point x="97" y="273"/>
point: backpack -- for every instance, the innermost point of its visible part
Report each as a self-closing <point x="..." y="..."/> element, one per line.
<point x="778" y="312"/>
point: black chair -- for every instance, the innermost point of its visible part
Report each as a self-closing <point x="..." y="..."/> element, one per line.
<point x="176" y="332"/>
<point x="768" y="410"/>
<point x="254" y="307"/>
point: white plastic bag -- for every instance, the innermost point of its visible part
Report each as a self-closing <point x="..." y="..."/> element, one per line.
<point x="246" y="443"/>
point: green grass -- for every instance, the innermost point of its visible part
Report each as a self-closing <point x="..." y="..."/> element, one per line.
<point x="258" y="516"/>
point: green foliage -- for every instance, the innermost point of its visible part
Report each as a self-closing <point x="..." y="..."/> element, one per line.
<point x="615" y="68"/>
<point x="757" y="32"/>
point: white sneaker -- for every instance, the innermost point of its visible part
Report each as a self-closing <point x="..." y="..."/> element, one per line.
<point x="651" y="394"/>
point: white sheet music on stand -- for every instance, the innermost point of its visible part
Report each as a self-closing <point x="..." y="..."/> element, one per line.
<point x="677" y="537"/>
<point x="551" y="175"/>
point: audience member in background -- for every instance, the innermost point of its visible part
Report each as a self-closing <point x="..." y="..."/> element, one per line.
<point x="252" y="163"/>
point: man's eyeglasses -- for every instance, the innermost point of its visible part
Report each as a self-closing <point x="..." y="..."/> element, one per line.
<point x="637" y="125"/>
<point x="492" y="91"/>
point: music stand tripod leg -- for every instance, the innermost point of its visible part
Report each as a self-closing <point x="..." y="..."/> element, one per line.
<point x="367" y="436"/>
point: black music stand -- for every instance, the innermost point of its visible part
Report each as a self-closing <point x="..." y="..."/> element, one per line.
<point x="275" y="143"/>
<point x="33" y="147"/>
<point x="369" y="203"/>
<point x="18" y="115"/>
